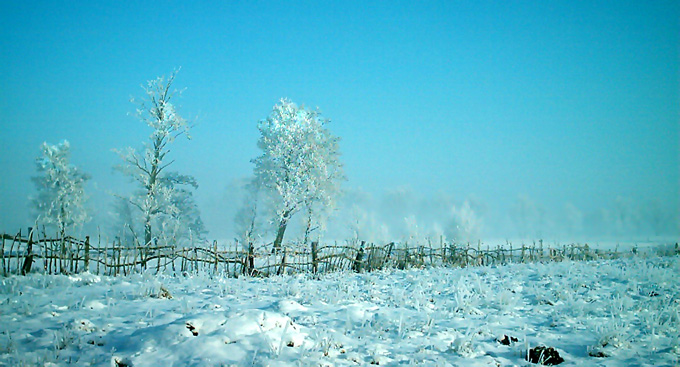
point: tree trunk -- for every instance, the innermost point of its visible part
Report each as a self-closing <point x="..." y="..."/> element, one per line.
<point x="308" y="230"/>
<point x="147" y="230"/>
<point x="282" y="230"/>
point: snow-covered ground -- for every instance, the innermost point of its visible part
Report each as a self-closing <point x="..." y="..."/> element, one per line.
<point x="612" y="313"/>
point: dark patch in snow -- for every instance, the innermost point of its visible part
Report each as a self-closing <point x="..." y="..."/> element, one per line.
<point x="598" y="354"/>
<point x="507" y="340"/>
<point x="121" y="362"/>
<point x="193" y="329"/>
<point x="545" y="356"/>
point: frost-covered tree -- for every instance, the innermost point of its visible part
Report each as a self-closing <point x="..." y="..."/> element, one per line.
<point x="165" y="199"/>
<point x="60" y="201"/>
<point x="299" y="166"/>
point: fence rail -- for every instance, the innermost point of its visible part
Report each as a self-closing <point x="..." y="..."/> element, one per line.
<point x="24" y="254"/>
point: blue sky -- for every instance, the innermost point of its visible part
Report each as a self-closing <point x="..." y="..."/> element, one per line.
<point x="564" y="102"/>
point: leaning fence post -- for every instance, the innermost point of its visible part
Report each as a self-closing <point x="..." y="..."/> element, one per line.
<point x="28" y="260"/>
<point x="11" y="249"/>
<point x="390" y="246"/>
<point x="282" y="268"/>
<point x="159" y="254"/>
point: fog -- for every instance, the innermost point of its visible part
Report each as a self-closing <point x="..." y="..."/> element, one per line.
<point x="402" y="214"/>
<point x="481" y="122"/>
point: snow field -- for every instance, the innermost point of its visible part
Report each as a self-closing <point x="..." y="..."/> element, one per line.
<point x="610" y="313"/>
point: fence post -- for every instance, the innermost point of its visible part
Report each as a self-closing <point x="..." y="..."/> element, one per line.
<point x="195" y="260"/>
<point x="62" y="253"/>
<point x="173" y="249"/>
<point x="69" y="252"/>
<point x="77" y="255"/>
<point x="283" y="263"/>
<point x="2" y="256"/>
<point x="182" y="263"/>
<point x="142" y="257"/>
<point x="467" y="255"/>
<point x="11" y="249"/>
<point x="99" y="250"/>
<point x="315" y="257"/>
<point x="249" y="268"/>
<point x="216" y="257"/>
<point x="159" y="254"/>
<point x="390" y="246"/>
<point x="480" y="254"/>
<point x="106" y="259"/>
<point x="28" y="261"/>
<point x="358" y="259"/>
<point x="116" y="259"/>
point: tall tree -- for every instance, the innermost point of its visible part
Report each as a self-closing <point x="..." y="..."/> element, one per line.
<point x="61" y="196"/>
<point x="299" y="166"/>
<point x="165" y="199"/>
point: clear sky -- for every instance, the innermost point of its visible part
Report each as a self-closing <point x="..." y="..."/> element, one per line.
<point x="565" y="102"/>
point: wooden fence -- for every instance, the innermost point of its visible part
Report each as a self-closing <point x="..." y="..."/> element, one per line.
<point x="24" y="254"/>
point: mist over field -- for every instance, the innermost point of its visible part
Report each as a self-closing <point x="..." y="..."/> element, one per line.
<point x="461" y="122"/>
<point x="317" y="183"/>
